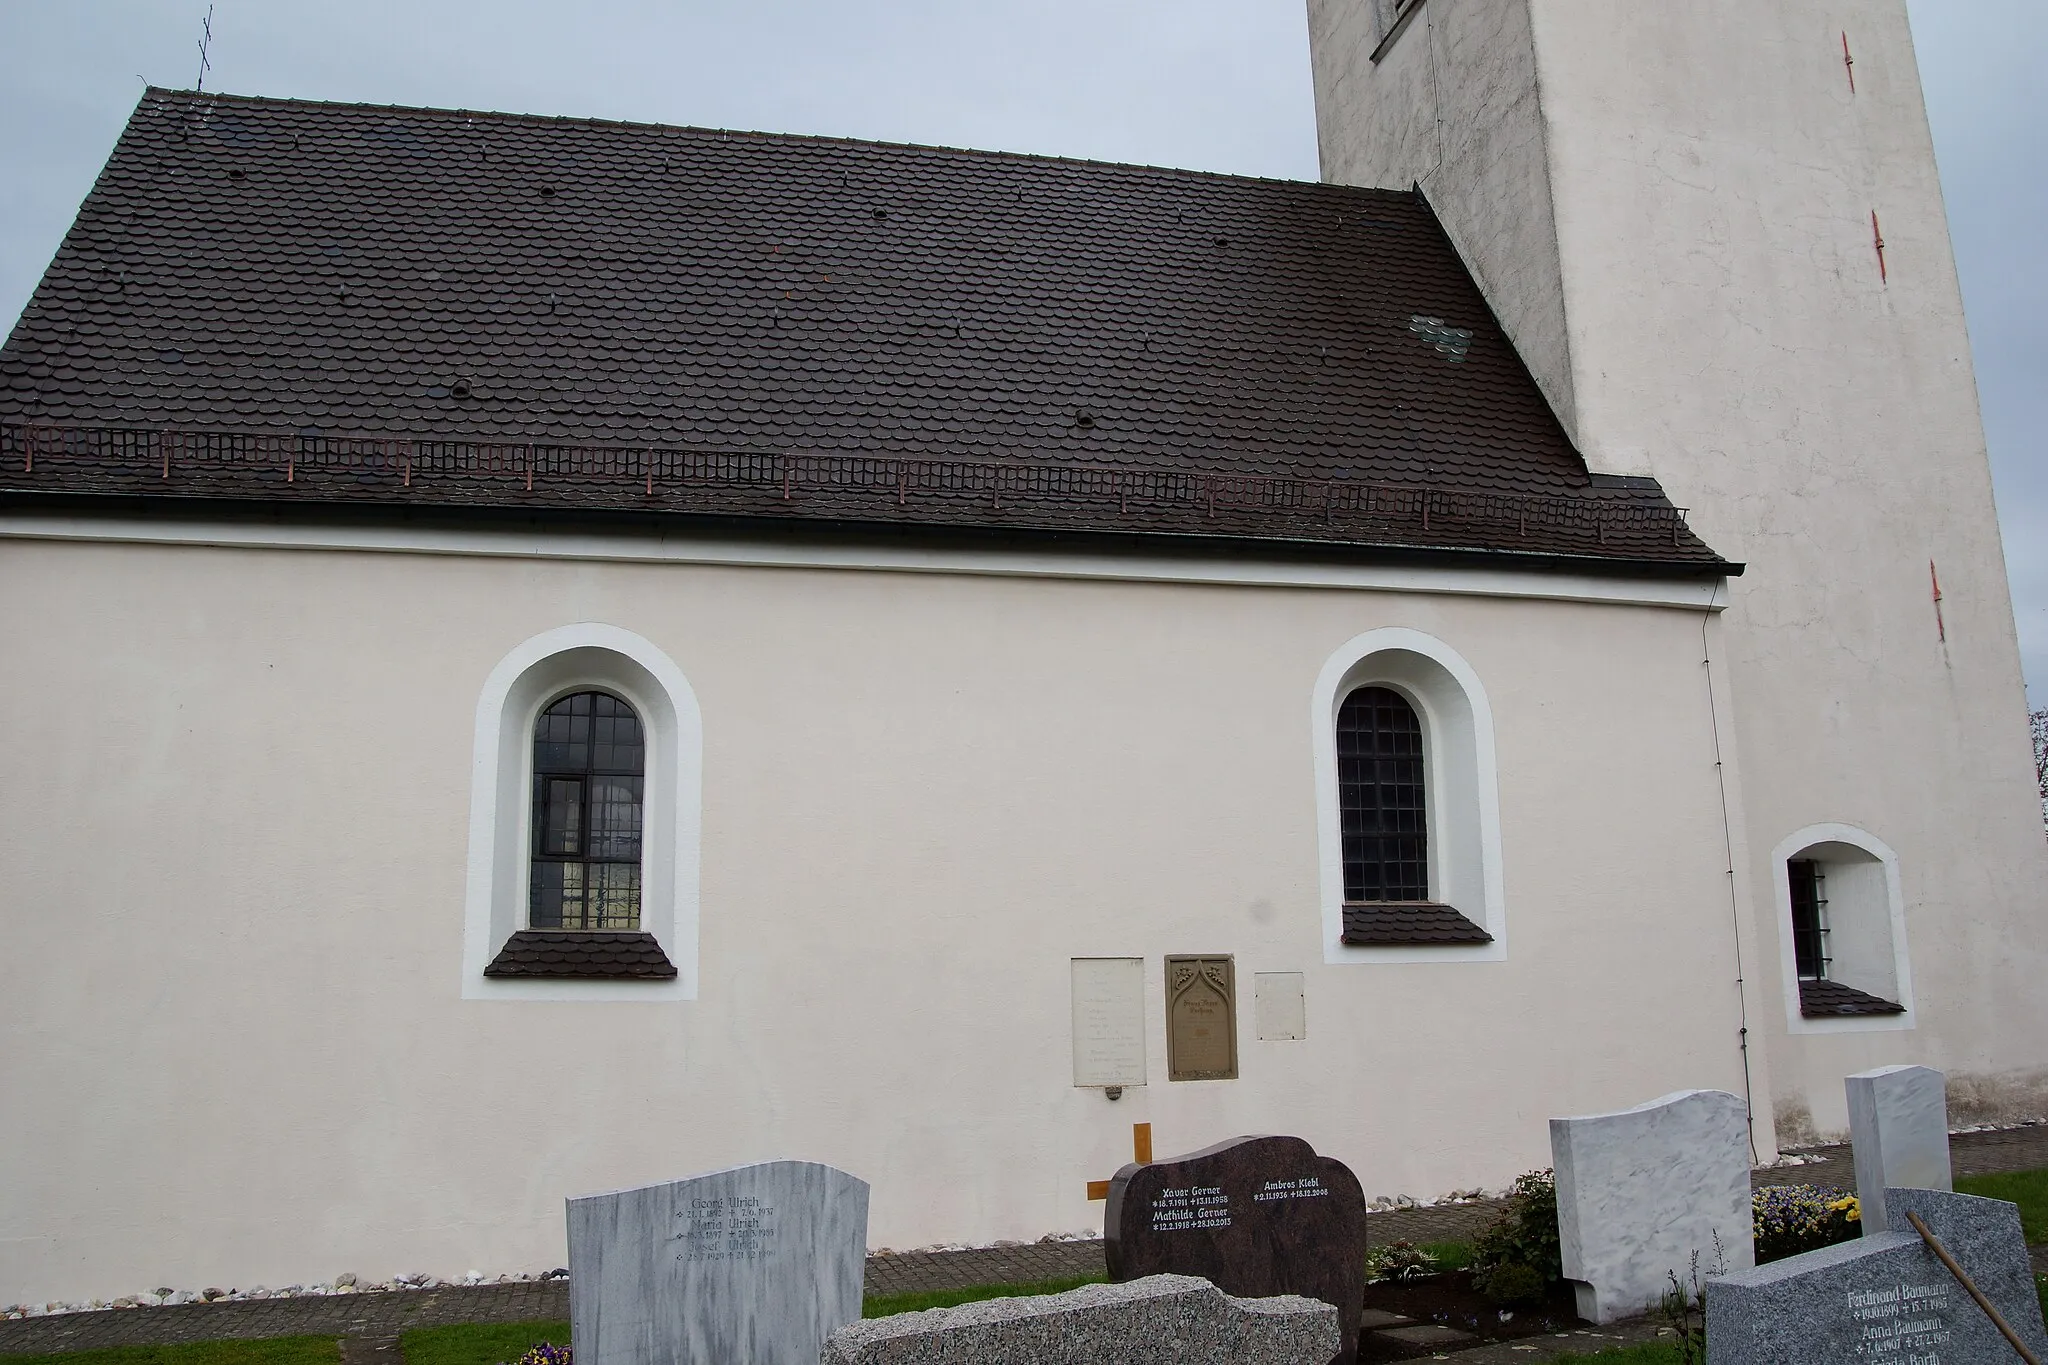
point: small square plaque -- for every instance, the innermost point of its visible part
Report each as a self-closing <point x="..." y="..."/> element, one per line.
<point x="1201" y="1019"/>
<point x="1278" y="1011"/>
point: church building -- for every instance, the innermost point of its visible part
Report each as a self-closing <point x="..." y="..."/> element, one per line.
<point x="546" y="655"/>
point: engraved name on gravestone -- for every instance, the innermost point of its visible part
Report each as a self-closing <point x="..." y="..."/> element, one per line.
<point x="1201" y="1019"/>
<point x="1256" y="1216"/>
<point x="1885" y="1299"/>
<point x="757" y="1263"/>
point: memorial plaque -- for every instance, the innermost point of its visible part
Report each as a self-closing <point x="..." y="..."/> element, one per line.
<point x="1256" y="1216"/>
<point x="1201" y="1019"/>
<point x="757" y="1263"/>
<point x="1109" y="1020"/>
<point x="1885" y="1299"/>
<point x="1279" y="1011"/>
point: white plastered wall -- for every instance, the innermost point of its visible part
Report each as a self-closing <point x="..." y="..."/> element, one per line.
<point x="1707" y="190"/>
<point x="237" y="887"/>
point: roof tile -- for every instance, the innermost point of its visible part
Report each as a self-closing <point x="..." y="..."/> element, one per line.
<point x="708" y="293"/>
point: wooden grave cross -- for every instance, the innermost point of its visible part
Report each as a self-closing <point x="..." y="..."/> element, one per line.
<point x="1141" y="1152"/>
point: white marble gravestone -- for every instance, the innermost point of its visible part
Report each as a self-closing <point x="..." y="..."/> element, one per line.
<point x="756" y="1263"/>
<point x="1640" y="1191"/>
<point x="1885" y="1299"/>
<point x="1898" y="1123"/>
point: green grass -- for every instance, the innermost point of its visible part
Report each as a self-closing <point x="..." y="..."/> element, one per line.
<point x="888" y="1305"/>
<point x="2028" y="1189"/>
<point x="478" y="1343"/>
<point x="274" y="1351"/>
<point x="1450" y="1255"/>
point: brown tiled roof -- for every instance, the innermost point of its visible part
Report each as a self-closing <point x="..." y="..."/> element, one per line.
<point x="436" y="308"/>
<point x="1821" y="999"/>
<point x="596" y="953"/>
<point x="1376" y="924"/>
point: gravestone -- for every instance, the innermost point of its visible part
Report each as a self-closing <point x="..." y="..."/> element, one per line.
<point x="1159" y="1320"/>
<point x="1885" y="1299"/>
<point x="756" y="1263"/>
<point x="1898" y="1125"/>
<point x="1638" y="1192"/>
<point x="1257" y="1216"/>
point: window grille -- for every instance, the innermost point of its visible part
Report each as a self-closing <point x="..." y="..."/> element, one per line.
<point x="1809" y="917"/>
<point x="589" y="762"/>
<point x="1381" y="796"/>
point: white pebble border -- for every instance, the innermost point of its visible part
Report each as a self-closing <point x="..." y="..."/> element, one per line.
<point x="1082" y="1235"/>
<point x="348" y="1284"/>
<point x="341" y="1284"/>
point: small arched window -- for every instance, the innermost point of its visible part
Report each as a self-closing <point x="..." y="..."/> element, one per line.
<point x="1382" y="797"/>
<point x="589" y="763"/>
<point x="1844" y="930"/>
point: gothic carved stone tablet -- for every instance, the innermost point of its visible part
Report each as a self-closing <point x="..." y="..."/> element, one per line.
<point x="1201" y="1019"/>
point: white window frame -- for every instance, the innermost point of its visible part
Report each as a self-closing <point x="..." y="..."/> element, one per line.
<point x="1461" y="778"/>
<point x="1902" y="971"/>
<point x="588" y="656"/>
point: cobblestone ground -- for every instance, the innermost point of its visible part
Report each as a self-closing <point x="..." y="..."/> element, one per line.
<point x="371" y="1322"/>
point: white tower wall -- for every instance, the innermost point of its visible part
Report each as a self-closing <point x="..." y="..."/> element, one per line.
<point x="1670" y="209"/>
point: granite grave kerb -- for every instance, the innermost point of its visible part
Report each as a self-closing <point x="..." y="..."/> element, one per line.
<point x="1156" y="1320"/>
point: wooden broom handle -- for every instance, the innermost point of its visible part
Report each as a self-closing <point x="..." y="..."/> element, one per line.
<point x="1997" y="1318"/>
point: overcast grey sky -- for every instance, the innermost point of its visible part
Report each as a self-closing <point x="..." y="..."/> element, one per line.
<point x="1213" y="84"/>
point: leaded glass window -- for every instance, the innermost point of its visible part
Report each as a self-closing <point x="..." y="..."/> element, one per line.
<point x="1381" y="795"/>
<point x="589" y="765"/>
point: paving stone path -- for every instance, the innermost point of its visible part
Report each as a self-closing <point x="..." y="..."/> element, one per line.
<point x="370" y="1323"/>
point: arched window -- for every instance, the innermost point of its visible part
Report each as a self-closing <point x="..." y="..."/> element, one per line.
<point x="1407" y="817"/>
<point x="589" y="761"/>
<point x="584" y="814"/>
<point x="1843" y="930"/>
<point x="1380" y="797"/>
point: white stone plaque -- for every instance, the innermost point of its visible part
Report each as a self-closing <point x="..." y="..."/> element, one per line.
<point x="1278" y="1008"/>
<point x="1109" y="1021"/>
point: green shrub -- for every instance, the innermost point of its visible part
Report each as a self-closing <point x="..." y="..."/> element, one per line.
<point x="1790" y="1219"/>
<point x="1516" y="1259"/>
<point x="1515" y="1282"/>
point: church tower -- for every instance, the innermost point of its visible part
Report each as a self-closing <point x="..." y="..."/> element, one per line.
<point x="1715" y="233"/>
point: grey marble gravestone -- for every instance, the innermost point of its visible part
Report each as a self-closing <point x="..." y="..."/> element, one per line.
<point x="1885" y="1299"/>
<point x="756" y="1264"/>
<point x="1898" y="1128"/>
<point x="1168" y="1319"/>
<point x="1640" y="1191"/>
